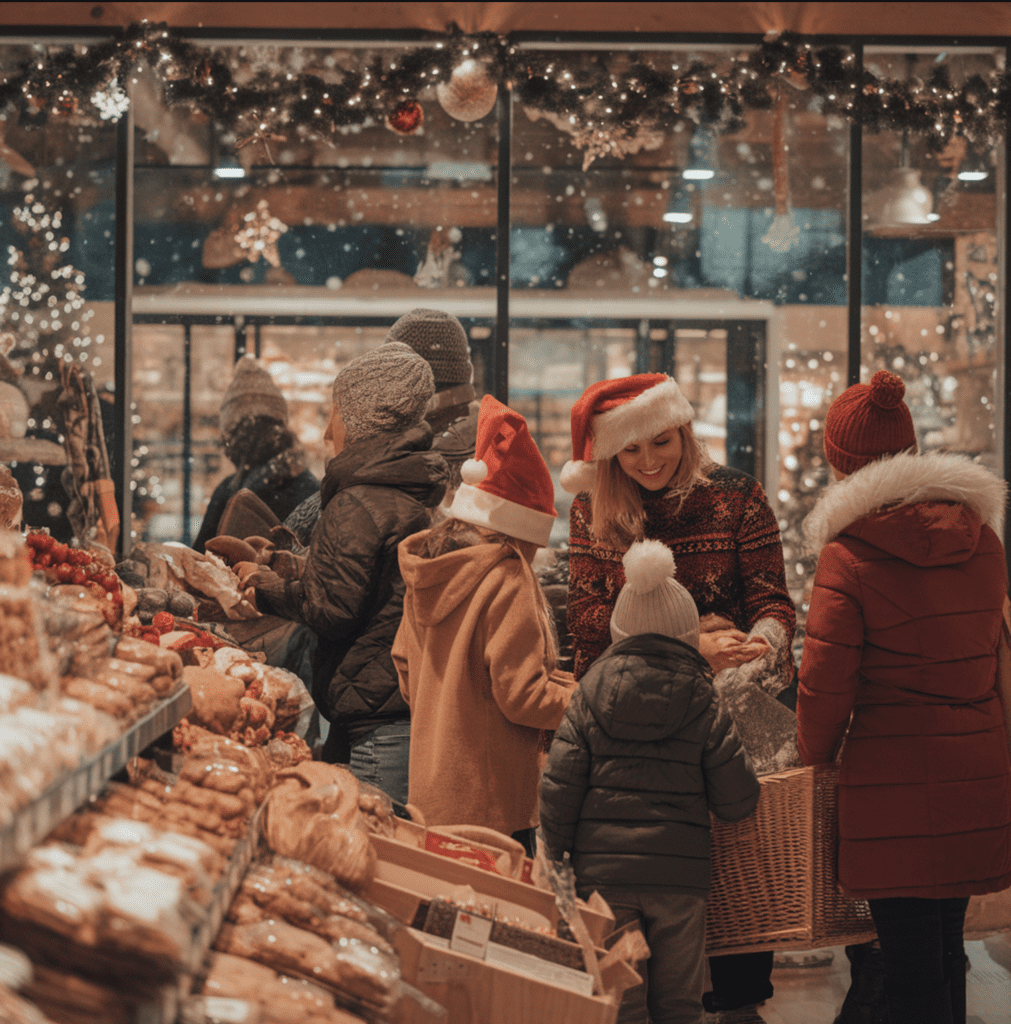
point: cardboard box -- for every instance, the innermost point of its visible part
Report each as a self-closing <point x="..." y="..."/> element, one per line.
<point x="497" y="984"/>
<point x="407" y="876"/>
<point x="477" y="991"/>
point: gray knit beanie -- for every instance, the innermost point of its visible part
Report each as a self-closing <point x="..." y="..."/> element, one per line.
<point x="652" y="601"/>
<point x="252" y="392"/>
<point x="384" y="391"/>
<point x="439" y="338"/>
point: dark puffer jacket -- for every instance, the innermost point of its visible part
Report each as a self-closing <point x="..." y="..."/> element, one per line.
<point x="375" y="493"/>
<point x="644" y="753"/>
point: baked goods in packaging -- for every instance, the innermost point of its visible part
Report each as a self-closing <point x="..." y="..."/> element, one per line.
<point x="312" y="815"/>
<point x="281" y="999"/>
<point x="352" y="968"/>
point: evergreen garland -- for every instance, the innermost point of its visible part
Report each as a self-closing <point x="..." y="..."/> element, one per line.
<point x="614" y="95"/>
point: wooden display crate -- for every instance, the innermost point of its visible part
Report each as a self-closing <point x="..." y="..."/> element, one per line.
<point x="498" y="984"/>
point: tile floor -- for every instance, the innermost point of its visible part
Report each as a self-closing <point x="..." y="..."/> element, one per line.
<point x="813" y="995"/>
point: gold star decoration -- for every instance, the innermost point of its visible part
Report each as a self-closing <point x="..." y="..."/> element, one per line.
<point x="258" y="234"/>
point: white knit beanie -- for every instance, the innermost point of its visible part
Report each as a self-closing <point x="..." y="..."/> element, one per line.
<point x="652" y="601"/>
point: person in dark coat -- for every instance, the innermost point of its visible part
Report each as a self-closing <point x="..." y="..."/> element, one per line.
<point x="452" y="413"/>
<point x="378" y="489"/>
<point x="900" y="658"/>
<point x="267" y="457"/>
<point x="644" y="753"/>
<point x="439" y="338"/>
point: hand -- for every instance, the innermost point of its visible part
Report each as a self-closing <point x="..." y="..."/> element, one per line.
<point x="729" y="648"/>
<point x="267" y="582"/>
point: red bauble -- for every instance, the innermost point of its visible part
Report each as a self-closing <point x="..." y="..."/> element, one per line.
<point x="406" y="118"/>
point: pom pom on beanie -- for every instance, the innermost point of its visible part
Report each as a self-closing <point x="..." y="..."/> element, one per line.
<point x="868" y="421"/>
<point x="652" y="601"/>
<point x="648" y="564"/>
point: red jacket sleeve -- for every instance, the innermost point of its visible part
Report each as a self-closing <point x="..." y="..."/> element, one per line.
<point x="830" y="666"/>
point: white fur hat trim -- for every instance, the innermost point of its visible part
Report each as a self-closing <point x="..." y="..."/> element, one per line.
<point x="481" y="508"/>
<point x="657" y="409"/>
<point x="473" y="471"/>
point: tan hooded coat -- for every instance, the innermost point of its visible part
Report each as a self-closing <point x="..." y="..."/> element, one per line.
<point x="474" y="666"/>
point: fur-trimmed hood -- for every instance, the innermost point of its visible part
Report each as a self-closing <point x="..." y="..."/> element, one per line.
<point x="906" y="479"/>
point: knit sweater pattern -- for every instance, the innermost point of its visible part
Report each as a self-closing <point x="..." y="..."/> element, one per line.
<point x="726" y="546"/>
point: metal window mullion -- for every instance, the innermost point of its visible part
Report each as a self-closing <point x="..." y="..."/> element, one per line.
<point x="500" y="349"/>
<point x="123" y="341"/>
<point x="854" y="244"/>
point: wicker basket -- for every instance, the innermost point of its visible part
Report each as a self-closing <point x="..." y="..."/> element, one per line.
<point x="774" y="874"/>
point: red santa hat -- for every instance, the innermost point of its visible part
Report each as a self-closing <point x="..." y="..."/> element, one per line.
<point x="612" y="414"/>
<point x="506" y="486"/>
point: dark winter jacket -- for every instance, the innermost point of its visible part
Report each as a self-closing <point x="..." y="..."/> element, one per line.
<point x="375" y="493"/>
<point x="902" y="635"/>
<point x="283" y="483"/>
<point x="644" y="753"/>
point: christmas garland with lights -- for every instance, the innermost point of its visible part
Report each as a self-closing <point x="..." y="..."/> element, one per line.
<point x="603" y="100"/>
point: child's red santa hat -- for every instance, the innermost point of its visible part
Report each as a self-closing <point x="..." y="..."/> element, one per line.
<point x="612" y="414"/>
<point x="506" y="486"/>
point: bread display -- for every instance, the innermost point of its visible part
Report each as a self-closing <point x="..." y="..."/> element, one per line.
<point x="281" y="999"/>
<point x="312" y="815"/>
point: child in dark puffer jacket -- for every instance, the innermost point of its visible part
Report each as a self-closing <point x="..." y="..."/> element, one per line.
<point x="644" y="753"/>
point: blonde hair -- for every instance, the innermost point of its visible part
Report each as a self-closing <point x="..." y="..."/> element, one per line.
<point x="618" y="516"/>
<point x="453" y="534"/>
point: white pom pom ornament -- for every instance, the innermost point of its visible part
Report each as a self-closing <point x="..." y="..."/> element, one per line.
<point x="648" y="563"/>
<point x="473" y="471"/>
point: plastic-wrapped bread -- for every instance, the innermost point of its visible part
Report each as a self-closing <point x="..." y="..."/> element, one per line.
<point x="14" y="693"/>
<point x="269" y="888"/>
<point x="312" y="815"/>
<point x="352" y="968"/>
<point x="282" y="1000"/>
<point x="15" y="1010"/>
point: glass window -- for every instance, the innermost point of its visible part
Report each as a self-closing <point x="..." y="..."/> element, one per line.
<point x="304" y="249"/>
<point x="57" y="224"/>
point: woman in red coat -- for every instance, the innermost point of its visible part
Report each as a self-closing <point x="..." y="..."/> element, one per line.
<point x="900" y="659"/>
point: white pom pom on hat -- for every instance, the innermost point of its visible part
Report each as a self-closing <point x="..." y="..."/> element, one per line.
<point x="652" y="600"/>
<point x="473" y="471"/>
<point x="648" y="563"/>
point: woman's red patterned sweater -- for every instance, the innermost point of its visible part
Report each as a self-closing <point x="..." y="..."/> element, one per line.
<point x="727" y="550"/>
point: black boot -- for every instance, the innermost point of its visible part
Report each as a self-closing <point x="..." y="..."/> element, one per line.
<point x="954" y="972"/>
<point x="921" y="1007"/>
<point x="865" y="1001"/>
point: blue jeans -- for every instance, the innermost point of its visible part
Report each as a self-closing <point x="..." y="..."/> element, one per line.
<point x="381" y="759"/>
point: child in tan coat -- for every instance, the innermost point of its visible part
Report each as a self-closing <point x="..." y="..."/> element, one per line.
<point x="475" y="650"/>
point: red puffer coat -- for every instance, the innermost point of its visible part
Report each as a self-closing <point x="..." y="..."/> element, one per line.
<point x="902" y="635"/>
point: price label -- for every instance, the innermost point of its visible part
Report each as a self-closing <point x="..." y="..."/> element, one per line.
<point x="227" y="1011"/>
<point x="471" y="933"/>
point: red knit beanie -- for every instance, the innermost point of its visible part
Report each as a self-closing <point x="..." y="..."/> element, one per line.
<point x="868" y="421"/>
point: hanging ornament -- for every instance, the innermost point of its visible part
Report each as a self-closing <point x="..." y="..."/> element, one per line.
<point x="782" y="233"/>
<point x="470" y="92"/>
<point x="66" y="104"/>
<point x="406" y="118"/>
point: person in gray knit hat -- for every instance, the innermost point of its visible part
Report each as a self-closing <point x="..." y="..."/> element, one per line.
<point x="383" y="391"/>
<point x="268" y="459"/>
<point x="439" y="338"/>
<point x="379" y="488"/>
